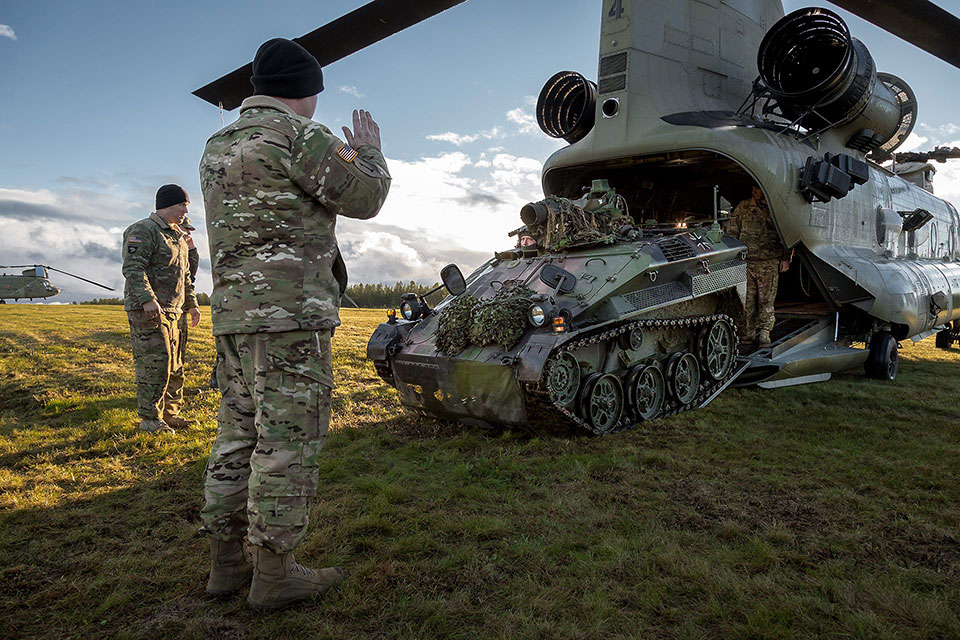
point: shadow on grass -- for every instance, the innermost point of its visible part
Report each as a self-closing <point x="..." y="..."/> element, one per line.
<point x="127" y="563"/>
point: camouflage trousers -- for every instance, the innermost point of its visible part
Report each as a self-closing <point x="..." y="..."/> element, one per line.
<point x="762" y="278"/>
<point x="158" y="363"/>
<point x="273" y="420"/>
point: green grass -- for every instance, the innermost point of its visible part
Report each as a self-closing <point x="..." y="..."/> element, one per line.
<point x="825" y="511"/>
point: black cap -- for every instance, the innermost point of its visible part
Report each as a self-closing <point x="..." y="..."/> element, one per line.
<point x="169" y="195"/>
<point x="283" y="68"/>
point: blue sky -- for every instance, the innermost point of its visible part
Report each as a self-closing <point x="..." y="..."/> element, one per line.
<point x="97" y="113"/>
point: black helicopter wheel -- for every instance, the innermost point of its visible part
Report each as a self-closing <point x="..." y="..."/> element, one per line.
<point x="601" y="401"/>
<point x="564" y="380"/>
<point x="683" y="377"/>
<point x="646" y="390"/>
<point x="944" y="339"/>
<point x="883" y="361"/>
<point x="717" y="348"/>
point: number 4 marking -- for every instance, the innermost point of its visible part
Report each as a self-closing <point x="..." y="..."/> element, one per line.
<point x="616" y="11"/>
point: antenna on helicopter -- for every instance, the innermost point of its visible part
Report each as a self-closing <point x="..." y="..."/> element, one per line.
<point x="49" y="268"/>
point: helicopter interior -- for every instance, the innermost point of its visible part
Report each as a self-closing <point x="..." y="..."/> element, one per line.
<point x="676" y="191"/>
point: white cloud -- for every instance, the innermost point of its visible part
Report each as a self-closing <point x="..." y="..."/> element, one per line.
<point x="526" y="123"/>
<point x="460" y="140"/>
<point x="351" y="90"/>
<point x="453" y="138"/>
<point x="79" y="231"/>
<point x="6" y="31"/>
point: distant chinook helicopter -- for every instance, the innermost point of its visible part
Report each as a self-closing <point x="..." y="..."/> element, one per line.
<point x="33" y="282"/>
<point x="697" y="100"/>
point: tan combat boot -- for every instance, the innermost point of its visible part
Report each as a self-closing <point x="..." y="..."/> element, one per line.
<point x="279" y="581"/>
<point x="178" y="422"/>
<point x="230" y="567"/>
<point x="764" y="340"/>
<point x="154" y="426"/>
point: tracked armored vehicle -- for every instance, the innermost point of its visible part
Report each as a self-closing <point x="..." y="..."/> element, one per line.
<point x="617" y="324"/>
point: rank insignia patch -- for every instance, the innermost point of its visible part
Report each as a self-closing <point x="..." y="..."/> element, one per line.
<point x="346" y="153"/>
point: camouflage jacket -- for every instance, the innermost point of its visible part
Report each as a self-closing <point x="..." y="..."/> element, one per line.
<point x="273" y="185"/>
<point x="752" y="224"/>
<point x="156" y="266"/>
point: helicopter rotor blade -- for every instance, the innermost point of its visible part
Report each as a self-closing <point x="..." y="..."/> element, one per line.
<point x="77" y="277"/>
<point x="919" y="22"/>
<point x="335" y="40"/>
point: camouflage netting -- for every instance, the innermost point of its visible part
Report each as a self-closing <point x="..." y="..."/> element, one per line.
<point x="503" y="318"/>
<point x="569" y="226"/>
<point x="499" y="320"/>
<point x="453" y="330"/>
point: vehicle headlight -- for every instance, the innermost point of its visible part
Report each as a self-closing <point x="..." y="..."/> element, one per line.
<point x="410" y="310"/>
<point x="536" y="315"/>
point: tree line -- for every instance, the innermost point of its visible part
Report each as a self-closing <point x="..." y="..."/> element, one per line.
<point x="368" y="296"/>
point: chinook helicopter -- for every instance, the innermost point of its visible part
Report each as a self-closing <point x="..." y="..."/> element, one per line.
<point x="33" y="282"/>
<point x="696" y="102"/>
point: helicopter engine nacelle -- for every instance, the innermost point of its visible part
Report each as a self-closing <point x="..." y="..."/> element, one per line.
<point x="822" y="78"/>
<point x="567" y="106"/>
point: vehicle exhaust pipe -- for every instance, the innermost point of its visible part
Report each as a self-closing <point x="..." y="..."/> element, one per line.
<point x="567" y="106"/>
<point x="810" y="63"/>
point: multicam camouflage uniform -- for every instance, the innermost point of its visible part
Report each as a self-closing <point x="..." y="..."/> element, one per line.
<point x="752" y="224"/>
<point x="273" y="184"/>
<point x="155" y="265"/>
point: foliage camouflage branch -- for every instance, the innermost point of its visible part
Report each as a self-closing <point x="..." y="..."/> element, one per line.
<point x="570" y="226"/>
<point x="454" y="322"/>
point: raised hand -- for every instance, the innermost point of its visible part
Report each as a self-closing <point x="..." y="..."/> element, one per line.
<point x="365" y="130"/>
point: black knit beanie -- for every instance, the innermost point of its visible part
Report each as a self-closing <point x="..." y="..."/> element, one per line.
<point x="169" y="195"/>
<point x="283" y="68"/>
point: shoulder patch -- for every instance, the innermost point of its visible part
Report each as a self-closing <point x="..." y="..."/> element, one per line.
<point x="346" y="153"/>
<point x="369" y="168"/>
<point x="134" y="240"/>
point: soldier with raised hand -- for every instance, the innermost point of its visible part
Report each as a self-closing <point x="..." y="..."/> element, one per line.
<point x="274" y="182"/>
<point x="766" y="258"/>
<point x="157" y="291"/>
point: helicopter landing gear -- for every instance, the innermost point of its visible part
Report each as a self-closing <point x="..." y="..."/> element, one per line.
<point x="944" y="339"/>
<point x="883" y="361"/>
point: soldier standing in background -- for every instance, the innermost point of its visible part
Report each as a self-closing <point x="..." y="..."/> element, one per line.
<point x="274" y="183"/>
<point x="766" y="258"/>
<point x="157" y="290"/>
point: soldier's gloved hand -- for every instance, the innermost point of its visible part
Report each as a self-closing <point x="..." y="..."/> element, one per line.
<point x="151" y="309"/>
<point x="365" y="130"/>
<point x="194" y="316"/>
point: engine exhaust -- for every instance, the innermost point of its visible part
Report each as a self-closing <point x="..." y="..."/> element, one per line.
<point x="567" y="106"/>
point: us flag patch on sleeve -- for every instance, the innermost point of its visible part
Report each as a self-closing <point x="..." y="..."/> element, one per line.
<point x="347" y="153"/>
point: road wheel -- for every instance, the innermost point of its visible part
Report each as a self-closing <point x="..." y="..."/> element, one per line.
<point x="883" y="361"/>
<point x="646" y="390"/>
<point x="683" y="377"/>
<point x="564" y="379"/>
<point x="718" y="349"/>
<point x="601" y="401"/>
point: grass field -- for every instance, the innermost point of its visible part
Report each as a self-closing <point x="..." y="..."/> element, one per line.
<point x="826" y="511"/>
